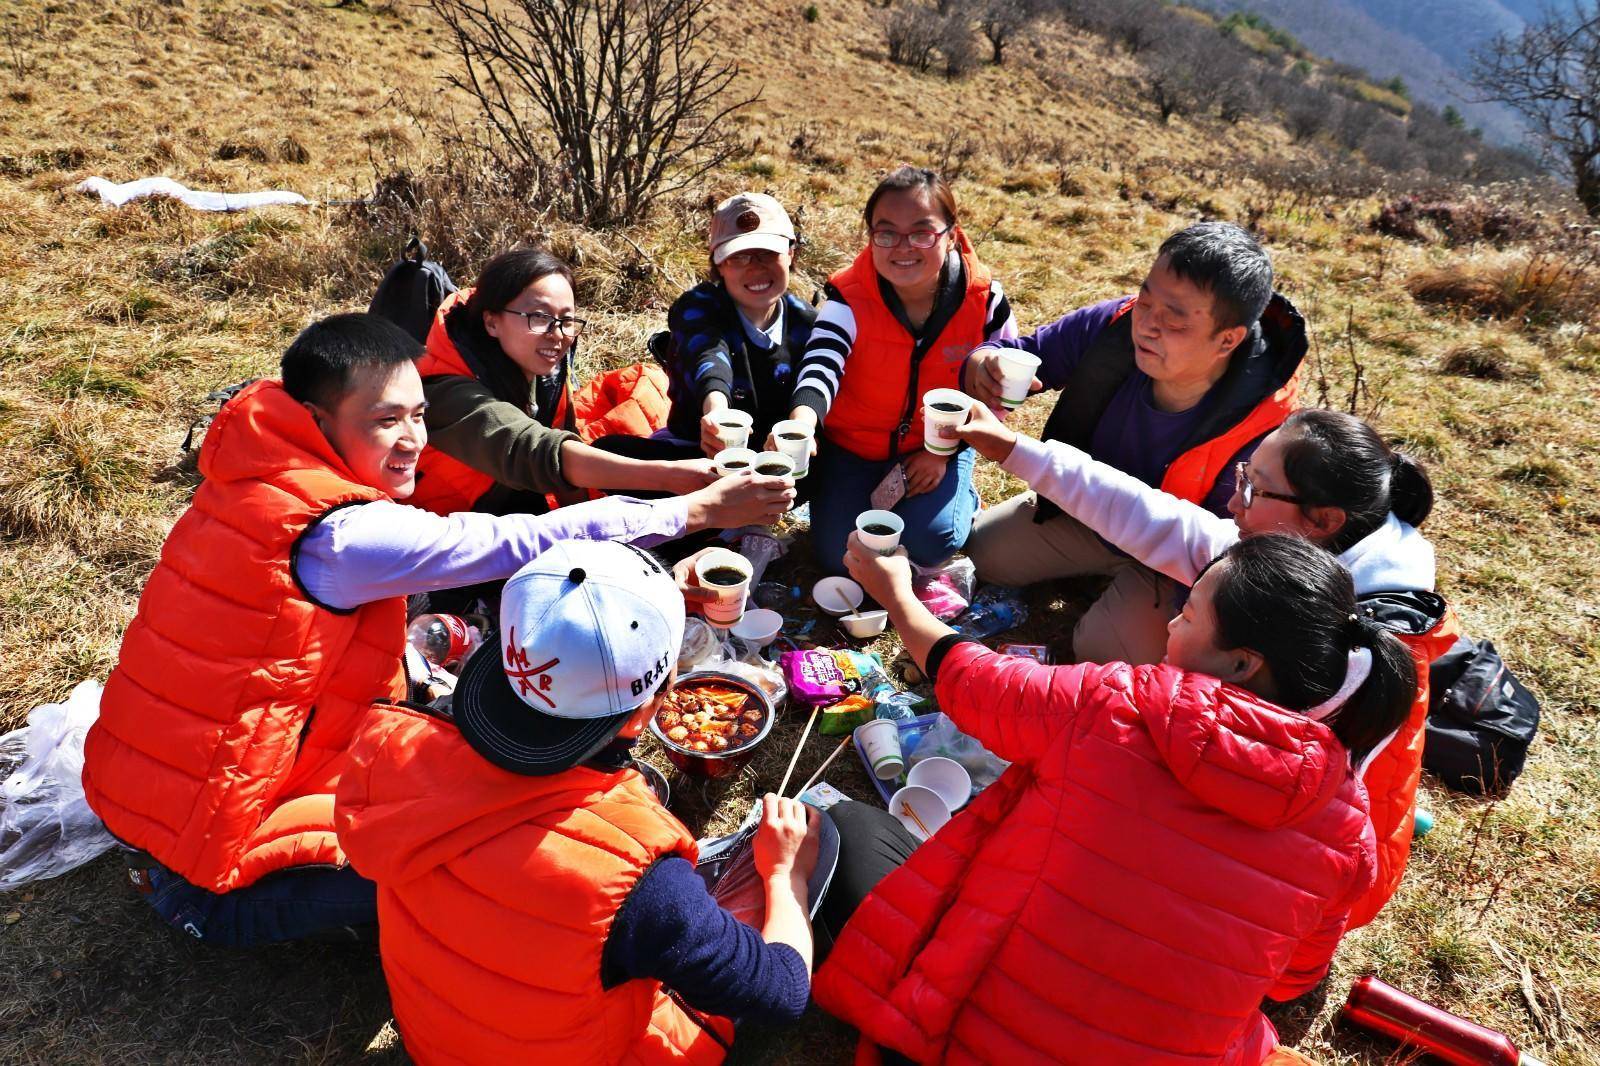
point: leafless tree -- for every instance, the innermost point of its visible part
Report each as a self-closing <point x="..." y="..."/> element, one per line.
<point x="633" y="99"/>
<point x="1001" y="20"/>
<point x="913" y="33"/>
<point x="956" y="44"/>
<point x="1550" y="74"/>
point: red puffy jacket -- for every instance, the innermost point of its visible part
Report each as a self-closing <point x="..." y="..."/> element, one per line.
<point x="1165" y="850"/>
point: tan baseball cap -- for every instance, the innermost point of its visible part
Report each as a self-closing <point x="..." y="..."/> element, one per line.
<point x="749" y="220"/>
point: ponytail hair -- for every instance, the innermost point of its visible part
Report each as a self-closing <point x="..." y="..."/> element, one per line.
<point x="1332" y="459"/>
<point x="1292" y="603"/>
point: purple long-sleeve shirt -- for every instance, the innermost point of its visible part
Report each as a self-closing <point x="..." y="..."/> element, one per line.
<point x="1133" y="434"/>
<point x="383" y="549"/>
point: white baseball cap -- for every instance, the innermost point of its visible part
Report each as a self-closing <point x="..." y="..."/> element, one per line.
<point x="589" y="631"/>
<point x="749" y="220"/>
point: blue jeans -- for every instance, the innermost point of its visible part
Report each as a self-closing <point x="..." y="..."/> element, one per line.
<point x="330" y="903"/>
<point x="937" y="522"/>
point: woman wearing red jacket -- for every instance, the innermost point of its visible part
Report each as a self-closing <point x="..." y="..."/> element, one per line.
<point x="1170" y="844"/>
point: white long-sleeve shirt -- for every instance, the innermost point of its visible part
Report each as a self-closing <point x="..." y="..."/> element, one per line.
<point x="1178" y="538"/>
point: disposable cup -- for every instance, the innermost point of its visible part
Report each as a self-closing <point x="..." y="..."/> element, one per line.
<point x="920" y="810"/>
<point x="880" y="742"/>
<point x="759" y="627"/>
<point x="882" y="543"/>
<point x="865" y="624"/>
<point x="1017" y="371"/>
<point x="733" y="427"/>
<point x="946" y="777"/>
<point x="774" y="459"/>
<point x="728" y="607"/>
<point x="939" y="426"/>
<point x="728" y="461"/>
<point x="798" y="450"/>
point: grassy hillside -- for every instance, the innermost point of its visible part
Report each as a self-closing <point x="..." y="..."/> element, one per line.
<point x="115" y="324"/>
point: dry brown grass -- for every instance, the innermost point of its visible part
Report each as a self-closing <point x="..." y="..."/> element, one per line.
<point x="1538" y="288"/>
<point x="114" y="324"/>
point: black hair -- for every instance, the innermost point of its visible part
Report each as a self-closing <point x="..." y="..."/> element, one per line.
<point x="1293" y="604"/>
<point x="319" y="363"/>
<point x="502" y="281"/>
<point x="1224" y="260"/>
<point x="906" y="178"/>
<point x="1333" y="459"/>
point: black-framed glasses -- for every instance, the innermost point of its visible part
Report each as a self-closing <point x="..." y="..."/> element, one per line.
<point x="541" y="324"/>
<point x="918" y="238"/>
<point x="1248" y="492"/>
<point x="752" y="257"/>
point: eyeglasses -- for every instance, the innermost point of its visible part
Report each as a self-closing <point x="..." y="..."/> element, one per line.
<point x="541" y="324"/>
<point x="1248" y="492"/>
<point x="917" y="238"/>
<point x="751" y="258"/>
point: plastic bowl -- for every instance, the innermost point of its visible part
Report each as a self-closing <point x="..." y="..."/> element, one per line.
<point x="715" y="764"/>
<point x="866" y="624"/>
<point x="759" y="627"/>
<point x="837" y="595"/>
<point x="946" y="777"/>
<point x="927" y="806"/>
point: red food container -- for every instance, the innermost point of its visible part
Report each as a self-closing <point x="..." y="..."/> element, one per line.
<point x="1385" y="1009"/>
<point x="715" y="764"/>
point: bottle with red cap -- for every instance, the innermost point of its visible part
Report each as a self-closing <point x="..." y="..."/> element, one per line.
<point x="447" y="639"/>
<point x="1385" y="1009"/>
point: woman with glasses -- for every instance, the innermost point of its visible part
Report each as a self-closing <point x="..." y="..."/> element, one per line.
<point x="501" y="422"/>
<point x="1323" y="475"/>
<point x="897" y="322"/>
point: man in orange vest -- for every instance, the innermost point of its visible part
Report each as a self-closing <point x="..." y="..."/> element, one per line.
<point x="275" y="616"/>
<point x="1175" y="385"/>
<point x="536" y="901"/>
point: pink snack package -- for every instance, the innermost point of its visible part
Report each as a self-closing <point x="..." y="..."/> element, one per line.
<point x="818" y="675"/>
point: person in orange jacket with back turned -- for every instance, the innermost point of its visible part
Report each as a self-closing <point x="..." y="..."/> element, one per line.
<point x="275" y="616"/>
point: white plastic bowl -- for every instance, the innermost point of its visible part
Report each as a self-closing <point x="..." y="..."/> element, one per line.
<point x="759" y="627"/>
<point x="946" y="777"/>
<point x="927" y="806"/>
<point x="837" y="595"/>
<point x="865" y="624"/>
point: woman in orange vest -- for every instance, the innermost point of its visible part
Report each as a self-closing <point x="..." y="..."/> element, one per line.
<point x="898" y="322"/>
<point x="1323" y="475"/>
<point x="502" y="425"/>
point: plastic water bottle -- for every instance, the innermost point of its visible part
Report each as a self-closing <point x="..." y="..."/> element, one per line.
<point x="993" y="611"/>
<point x="447" y="639"/>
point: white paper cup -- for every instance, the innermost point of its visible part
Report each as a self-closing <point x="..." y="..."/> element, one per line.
<point x="920" y="810"/>
<point x="733" y="427"/>
<point x="728" y="607"/>
<point x="774" y="459"/>
<point x="939" y="426"/>
<point x="880" y="743"/>
<point x="946" y="777"/>
<point x="726" y="459"/>
<point x="1017" y="371"/>
<point x="759" y="627"/>
<point x="798" y="450"/>
<point x="882" y="543"/>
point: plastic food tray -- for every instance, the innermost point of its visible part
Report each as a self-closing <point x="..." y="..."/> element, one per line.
<point x="912" y="731"/>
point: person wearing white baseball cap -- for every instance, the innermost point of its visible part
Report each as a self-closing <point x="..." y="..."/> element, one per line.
<point x="535" y="899"/>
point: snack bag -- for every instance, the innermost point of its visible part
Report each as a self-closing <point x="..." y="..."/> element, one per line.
<point x="844" y="716"/>
<point x="819" y="675"/>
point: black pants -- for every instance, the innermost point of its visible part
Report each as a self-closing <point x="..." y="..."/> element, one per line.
<point x="872" y="845"/>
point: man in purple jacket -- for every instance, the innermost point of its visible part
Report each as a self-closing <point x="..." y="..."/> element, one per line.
<point x="1176" y="386"/>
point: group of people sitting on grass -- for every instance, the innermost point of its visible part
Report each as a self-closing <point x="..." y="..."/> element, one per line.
<point x="1217" y="788"/>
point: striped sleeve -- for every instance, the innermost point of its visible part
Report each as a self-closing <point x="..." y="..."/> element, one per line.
<point x="821" y="368"/>
<point x="1002" y="322"/>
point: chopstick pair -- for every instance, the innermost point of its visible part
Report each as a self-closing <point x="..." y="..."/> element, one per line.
<point x="795" y="759"/>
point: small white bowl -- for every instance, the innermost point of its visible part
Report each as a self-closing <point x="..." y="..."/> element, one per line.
<point x="927" y="806"/>
<point x="837" y="595"/>
<point x="865" y="624"/>
<point x="759" y="627"/>
<point x="946" y="777"/>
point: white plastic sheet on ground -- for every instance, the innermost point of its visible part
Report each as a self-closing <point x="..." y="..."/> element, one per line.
<point x="118" y="195"/>
<point x="46" y="826"/>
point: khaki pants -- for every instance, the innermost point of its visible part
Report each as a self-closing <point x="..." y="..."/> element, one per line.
<point x="1128" y="623"/>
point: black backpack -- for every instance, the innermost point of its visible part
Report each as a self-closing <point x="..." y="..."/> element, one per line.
<point x="1481" y="719"/>
<point x="411" y="292"/>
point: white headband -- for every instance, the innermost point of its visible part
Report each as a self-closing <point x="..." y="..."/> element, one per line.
<point x="1355" y="675"/>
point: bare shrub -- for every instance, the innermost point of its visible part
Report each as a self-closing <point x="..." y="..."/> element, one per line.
<point x="913" y="34"/>
<point x="1540" y="290"/>
<point x="631" y="93"/>
<point x="1001" y="20"/>
<point x="952" y="153"/>
<point x="957" y="46"/>
<point x="1454" y="222"/>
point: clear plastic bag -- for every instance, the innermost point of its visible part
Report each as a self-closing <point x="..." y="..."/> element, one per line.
<point x="944" y="739"/>
<point x="46" y="826"/>
<point x="706" y="648"/>
<point x="945" y="590"/>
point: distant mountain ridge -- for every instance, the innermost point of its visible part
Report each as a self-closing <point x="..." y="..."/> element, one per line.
<point x="1428" y="43"/>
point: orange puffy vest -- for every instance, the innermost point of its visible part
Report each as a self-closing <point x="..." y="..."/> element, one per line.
<point x="1393" y="776"/>
<point x="877" y="411"/>
<point x="496" y="893"/>
<point x="224" y="726"/>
